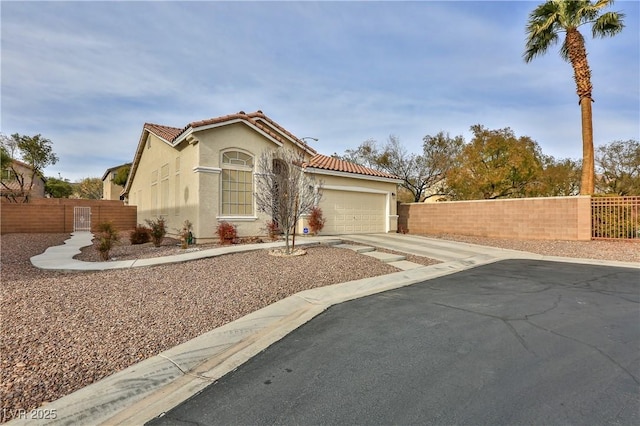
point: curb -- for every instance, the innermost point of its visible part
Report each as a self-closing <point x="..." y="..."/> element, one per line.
<point x="144" y="390"/>
<point x="151" y="387"/>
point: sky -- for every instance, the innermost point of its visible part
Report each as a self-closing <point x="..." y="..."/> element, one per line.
<point x="88" y="75"/>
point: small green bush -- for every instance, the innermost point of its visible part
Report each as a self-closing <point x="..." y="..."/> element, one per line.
<point x="227" y="233"/>
<point x="107" y="236"/>
<point x="140" y="235"/>
<point x="158" y="230"/>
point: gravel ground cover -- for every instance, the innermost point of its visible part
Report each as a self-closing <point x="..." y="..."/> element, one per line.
<point x="124" y="250"/>
<point x="63" y="331"/>
<point x="619" y="250"/>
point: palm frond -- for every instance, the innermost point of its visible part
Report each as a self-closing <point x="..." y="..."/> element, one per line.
<point x="549" y="19"/>
<point x="581" y="12"/>
<point x="608" y="24"/>
<point x="601" y="4"/>
<point x="544" y="17"/>
<point x="542" y="29"/>
<point x="564" y="51"/>
<point x="539" y="45"/>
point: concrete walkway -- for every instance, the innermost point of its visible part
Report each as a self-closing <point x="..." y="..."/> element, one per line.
<point x="60" y="258"/>
<point x="147" y="389"/>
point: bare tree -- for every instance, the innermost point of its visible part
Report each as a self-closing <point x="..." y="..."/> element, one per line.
<point x="366" y="154"/>
<point x="284" y="191"/>
<point x="619" y="167"/>
<point x="422" y="175"/>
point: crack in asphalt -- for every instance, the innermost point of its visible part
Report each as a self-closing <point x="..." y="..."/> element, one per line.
<point x="517" y="335"/>
<point x="520" y="318"/>
<point x="585" y="285"/>
<point x="600" y="351"/>
<point x="527" y="317"/>
<point x="505" y="321"/>
<point x="555" y="305"/>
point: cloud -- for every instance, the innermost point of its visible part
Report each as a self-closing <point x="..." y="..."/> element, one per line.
<point x="87" y="75"/>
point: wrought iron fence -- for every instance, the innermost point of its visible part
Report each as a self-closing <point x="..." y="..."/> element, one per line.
<point x="615" y="217"/>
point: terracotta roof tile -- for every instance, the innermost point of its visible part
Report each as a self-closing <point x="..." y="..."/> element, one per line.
<point x="324" y="162"/>
<point x="259" y="120"/>
<point x="260" y="115"/>
<point x="165" y="132"/>
<point x="254" y="118"/>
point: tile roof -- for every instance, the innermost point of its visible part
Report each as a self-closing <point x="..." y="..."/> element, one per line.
<point x="171" y="134"/>
<point x="263" y="123"/>
<point x="324" y="162"/>
<point x="260" y="115"/>
<point x="165" y="132"/>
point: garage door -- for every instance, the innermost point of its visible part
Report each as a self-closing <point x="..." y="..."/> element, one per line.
<point x="349" y="212"/>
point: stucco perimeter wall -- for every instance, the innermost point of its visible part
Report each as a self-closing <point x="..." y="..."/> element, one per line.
<point x="56" y="215"/>
<point x="554" y="218"/>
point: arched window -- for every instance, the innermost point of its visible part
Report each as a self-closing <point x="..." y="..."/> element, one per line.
<point x="237" y="184"/>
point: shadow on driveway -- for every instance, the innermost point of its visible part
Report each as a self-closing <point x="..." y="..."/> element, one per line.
<point x="514" y="342"/>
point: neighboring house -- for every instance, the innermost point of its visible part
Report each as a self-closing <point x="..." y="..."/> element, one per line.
<point x="433" y="194"/>
<point x="111" y="191"/>
<point x="10" y="187"/>
<point x="204" y="173"/>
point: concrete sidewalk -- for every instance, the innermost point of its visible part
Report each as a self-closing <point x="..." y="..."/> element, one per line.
<point x="155" y="385"/>
<point x="60" y="258"/>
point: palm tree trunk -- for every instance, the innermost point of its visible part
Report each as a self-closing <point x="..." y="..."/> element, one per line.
<point x="582" y="76"/>
<point x="587" y="184"/>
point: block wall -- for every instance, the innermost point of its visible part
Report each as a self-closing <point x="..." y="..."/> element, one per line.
<point x="554" y="218"/>
<point x="56" y="215"/>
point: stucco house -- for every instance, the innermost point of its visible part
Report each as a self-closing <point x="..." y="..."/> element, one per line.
<point x="11" y="188"/>
<point x="205" y="173"/>
<point x="111" y="191"/>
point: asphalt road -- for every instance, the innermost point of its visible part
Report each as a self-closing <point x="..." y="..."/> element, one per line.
<point x="514" y="342"/>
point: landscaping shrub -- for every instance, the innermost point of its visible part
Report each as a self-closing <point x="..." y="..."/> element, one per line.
<point x="273" y="230"/>
<point x="316" y="220"/>
<point x="186" y="237"/>
<point x="158" y="230"/>
<point x="227" y="232"/>
<point x="140" y="235"/>
<point x="107" y="236"/>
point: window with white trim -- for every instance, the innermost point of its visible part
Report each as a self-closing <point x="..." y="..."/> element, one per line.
<point x="237" y="184"/>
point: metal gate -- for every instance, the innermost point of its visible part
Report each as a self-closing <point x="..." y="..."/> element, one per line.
<point x="615" y="217"/>
<point x="82" y="219"/>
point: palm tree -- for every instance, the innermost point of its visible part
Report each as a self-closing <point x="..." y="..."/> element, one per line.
<point x="545" y="24"/>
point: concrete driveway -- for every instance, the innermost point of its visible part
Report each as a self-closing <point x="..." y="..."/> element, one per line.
<point x="518" y="341"/>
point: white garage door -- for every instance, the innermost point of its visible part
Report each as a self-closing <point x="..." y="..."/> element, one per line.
<point x="348" y="212"/>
